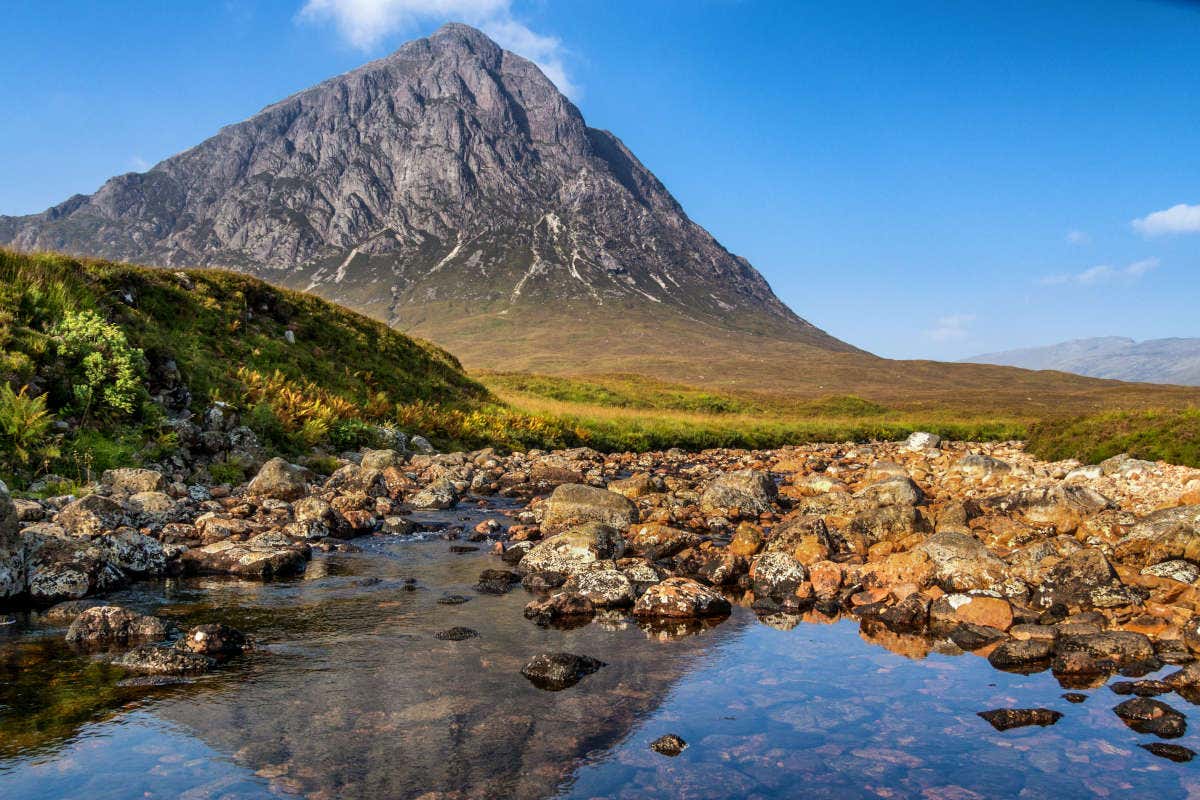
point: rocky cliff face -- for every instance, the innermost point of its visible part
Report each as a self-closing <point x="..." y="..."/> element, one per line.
<point x="450" y="172"/>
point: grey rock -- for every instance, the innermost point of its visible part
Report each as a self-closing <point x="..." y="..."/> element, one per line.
<point x="557" y="671"/>
<point x="576" y="504"/>
<point x="278" y="480"/>
<point x="747" y="493"/>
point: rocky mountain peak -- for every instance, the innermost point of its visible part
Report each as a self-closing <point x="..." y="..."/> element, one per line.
<point x="449" y="174"/>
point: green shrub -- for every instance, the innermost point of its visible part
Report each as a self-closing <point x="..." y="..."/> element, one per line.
<point x="104" y="370"/>
<point x="25" y="430"/>
<point x="1172" y="436"/>
<point x="229" y="472"/>
<point x="353" y="434"/>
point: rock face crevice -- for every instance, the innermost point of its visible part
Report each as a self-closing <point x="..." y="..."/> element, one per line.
<point x="451" y="171"/>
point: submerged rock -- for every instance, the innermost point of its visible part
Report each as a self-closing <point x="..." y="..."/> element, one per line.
<point x="216" y="640"/>
<point x="564" y="608"/>
<point x="1145" y="715"/>
<point x="557" y="671"/>
<point x="1003" y="719"/>
<point x="109" y="625"/>
<point x="158" y="660"/>
<point x="669" y="745"/>
<point x="1172" y="752"/>
<point x="456" y="634"/>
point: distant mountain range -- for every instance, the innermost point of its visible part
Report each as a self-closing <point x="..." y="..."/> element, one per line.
<point x="1152" y="361"/>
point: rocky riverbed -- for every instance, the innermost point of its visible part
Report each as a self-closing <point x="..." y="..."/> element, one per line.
<point x="1083" y="577"/>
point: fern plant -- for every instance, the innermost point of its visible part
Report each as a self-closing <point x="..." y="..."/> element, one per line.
<point x="25" y="428"/>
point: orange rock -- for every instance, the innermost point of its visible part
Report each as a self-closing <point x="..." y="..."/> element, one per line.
<point x="826" y="578"/>
<point x="747" y="540"/>
<point x="993" y="612"/>
<point x="879" y="550"/>
<point x="912" y="567"/>
<point x="810" y="551"/>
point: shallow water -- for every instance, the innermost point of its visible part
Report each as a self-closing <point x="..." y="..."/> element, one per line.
<point x="350" y="695"/>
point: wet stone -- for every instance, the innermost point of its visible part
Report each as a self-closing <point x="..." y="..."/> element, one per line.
<point x="164" y="661"/>
<point x="1003" y="719"/>
<point x="463" y="548"/>
<point x="1075" y="697"/>
<point x="452" y="600"/>
<point x="1173" y="752"/>
<point x="557" y="671"/>
<point x="456" y="634"/>
<point x="1016" y="654"/>
<point x="1145" y="715"/>
<point x="1141" y="688"/>
<point x="668" y="745"/>
<point x="497" y="581"/>
<point x="972" y="637"/>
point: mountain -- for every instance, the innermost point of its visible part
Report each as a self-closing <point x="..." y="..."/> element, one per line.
<point x="443" y="188"/>
<point x="1153" y="361"/>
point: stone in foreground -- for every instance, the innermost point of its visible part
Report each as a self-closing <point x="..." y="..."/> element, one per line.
<point x="680" y="598"/>
<point x="669" y="745"/>
<point x="1003" y="719"/>
<point x="557" y="671"/>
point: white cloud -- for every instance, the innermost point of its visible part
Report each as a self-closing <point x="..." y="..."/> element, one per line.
<point x="1181" y="218"/>
<point x="951" y="328"/>
<point x="1095" y="276"/>
<point x="1078" y="237"/>
<point x="366" y="23"/>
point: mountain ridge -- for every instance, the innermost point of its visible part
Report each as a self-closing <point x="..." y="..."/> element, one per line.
<point x="1174" y="360"/>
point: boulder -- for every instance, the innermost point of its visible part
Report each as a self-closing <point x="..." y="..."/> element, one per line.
<point x="215" y="640"/>
<point x="1176" y="570"/>
<point x="114" y="625"/>
<point x="745" y="493"/>
<point x="557" y="671"/>
<point x="381" y="459"/>
<point x="278" y="480"/>
<point x="1104" y="651"/>
<point x="680" y="598"/>
<point x="657" y="541"/>
<point x="894" y="491"/>
<point x="134" y="553"/>
<point x="1020" y="654"/>
<point x="60" y="567"/>
<point x="604" y="587"/>
<point x="1085" y="580"/>
<point x="441" y="494"/>
<point x="1003" y="719"/>
<point x="564" y="608"/>
<point x="152" y="507"/>
<point x="497" y="581"/>
<point x="1146" y="715"/>
<point x="133" y="481"/>
<point x="1162" y="536"/>
<point x="574" y="550"/>
<point x="919" y="440"/>
<point x="981" y="467"/>
<point x="962" y="562"/>
<point x="775" y="579"/>
<point x="92" y="515"/>
<point x="263" y="557"/>
<point x="156" y="660"/>
<point x="12" y="555"/>
<point x="575" y="504"/>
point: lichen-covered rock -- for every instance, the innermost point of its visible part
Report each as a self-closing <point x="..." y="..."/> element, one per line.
<point x="962" y="562"/>
<point x="564" y="608"/>
<point x="12" y="554"/>
<point x="1104" y="651"/>
<point x="278" y="480"/>
<point x="441" y="494"/>
<point x="899" y="490"/>
<point x="215" y="639"/>
<point x="658" y="541"/>
<point x="775" y="579"/>
<point x="114" y="625"/>
<point x="151" y="507"/>
<point x="680" y="598"/>
<point x="1085" y="580"/>
<point x="744" y="493"/>
<point x="156" y="660"/>
<point x="134" y="553"/>
<point x="381" y="459"/>
<point x="981" y="467"/>
<point x="132" y="481"/>
<point x="574" y="550"/>
<point x="1161" y="536"/>
<point x="575" y="504"/>
<point x="263" y="557"/>
<point x="91" y="516"/>
<point x="60" y="567"/>
<point x="604" y="587"/>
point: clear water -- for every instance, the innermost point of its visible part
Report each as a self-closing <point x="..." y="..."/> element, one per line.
<point x="349" y="695"/>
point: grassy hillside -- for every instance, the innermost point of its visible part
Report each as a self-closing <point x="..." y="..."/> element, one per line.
<point x="1170" y="435"/>
<point x="86" y="347"/>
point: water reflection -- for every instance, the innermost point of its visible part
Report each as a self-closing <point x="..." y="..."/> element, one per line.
<point x="350" y="694"/>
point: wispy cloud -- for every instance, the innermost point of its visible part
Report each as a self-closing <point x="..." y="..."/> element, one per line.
<point x="1078" y="237"/>
<point x="951" y="328"/>
<point x="1102" y="274"/>
<point x="365" y="24"/>
<point x="1180" y="218"/>
<point x="139" y="164"/>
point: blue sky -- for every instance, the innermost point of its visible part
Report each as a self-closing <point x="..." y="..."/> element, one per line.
<point x="925" y="180"/>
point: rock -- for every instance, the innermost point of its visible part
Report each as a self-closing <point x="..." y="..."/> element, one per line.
<point x="557" y="671"/>
<point x="134" y="553"/>
<point x="422" y="445"/>
<point x="562" y="608"/>
<point x="980" y="467"/>
<point x="1064" y="506"/>
<point x="1084" y="580"/>
<point x="381" y="459"/>
<point x="12" y="566"/>
<point x="680" y="598"/>
<point x="775" y="578"/>
<point x="1003" y="719"/>
<point x="441" y="494"/>
<point x="1146" y="715"/>
<point x="1019" y="654"/>
<point x="604" y="587"/>
<point x="59" y="566"/>
<point x="1143" y="688"/>
<point x="1104" y="651"/>
<point x="920" y="440"/>
<point x="452" y="600"/>
<point x="1186" y="678"/>
<point x="910" y="615"/>
<point x="668" y="745"/>
<point x="497" y="581"/>
<point x="962" y="562"/>
<point x="278" y="480"/>
<point x="109" y="625"/>
<point x="1175" y="570"/>
<point x="634" y="487"/>
<point x="1173" y="752"/>
<point x="456" y="634"/>
<point x="897" y="491"/>
<point x="747" y="540"/>
<point x="152" y="507"/>
<point x="657" y="541"/>
<point x="1172" y="533"/>
<point x="133" y="481"/>
<point x="574" y="550"/>
<point x="91" y="516"/>
<point x="993" y="612"/>
<point x="67" y="611"/>
<point x="263" y="557"/>
<point x="215" y="639"/>
<point x="973" y="637"/>
<point x="574" y="504"/>
<point x="745" y="493"/>
<point x="28" y="510"/>
<point x="157" y="660"/>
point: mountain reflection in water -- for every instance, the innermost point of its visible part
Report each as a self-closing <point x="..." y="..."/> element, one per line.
<point x="350" y="695"/>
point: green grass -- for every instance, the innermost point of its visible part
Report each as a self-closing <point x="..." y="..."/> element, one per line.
<point x="620" y="391"/>
<point x="1169" y="435"/>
